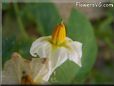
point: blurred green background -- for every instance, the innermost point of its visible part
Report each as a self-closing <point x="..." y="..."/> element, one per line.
<point x="94" y="27"/>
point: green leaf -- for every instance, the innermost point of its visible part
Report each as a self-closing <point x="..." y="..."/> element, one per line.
<point x="12" y="40"/>
<point x="79" y="29"/>
<point x="5" y="6"/>
<point x="8" y="37"/>
<point x="44" y="14"/>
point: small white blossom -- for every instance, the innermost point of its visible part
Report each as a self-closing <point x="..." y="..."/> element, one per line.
<point x="21" y="71"/>
<point x="57" y="48"/>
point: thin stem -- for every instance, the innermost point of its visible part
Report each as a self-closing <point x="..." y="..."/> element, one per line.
<point x="21" y="26"/>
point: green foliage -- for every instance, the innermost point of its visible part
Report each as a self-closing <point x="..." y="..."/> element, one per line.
<point x="46" y="17"/>
<point x="44" y="14"/>
<point x="13" y="40"/>
<point x="79" y="29"/>
<point x="104" y="28"/>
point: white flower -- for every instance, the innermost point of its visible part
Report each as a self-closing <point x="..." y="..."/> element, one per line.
<point x="21" y="71"/>
<point x="57" y="48"/>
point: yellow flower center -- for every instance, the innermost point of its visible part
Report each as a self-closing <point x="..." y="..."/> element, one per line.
<point x="59" y="34"/>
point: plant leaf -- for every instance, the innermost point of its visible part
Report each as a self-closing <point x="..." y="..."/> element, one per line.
<point x="12" y="40"/>
<point x="79" y="29"/>
<point x="44" y="14"/>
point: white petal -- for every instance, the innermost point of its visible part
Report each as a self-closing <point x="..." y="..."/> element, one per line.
<point x="41" y="47"/>
<point x="13" y="69"/>
<point x="77" y="47"/>
<point x="69" y="39"/>
<point x="58" y="57"/>
<point x="74" y="57"/>
<point x="9" y="75"/>
<point x="40" y="69"/>
<point x="76" y="52"/>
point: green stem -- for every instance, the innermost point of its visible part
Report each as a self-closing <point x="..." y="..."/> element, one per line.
<point x="21" y="26"/>
<point x="110" y="44"/>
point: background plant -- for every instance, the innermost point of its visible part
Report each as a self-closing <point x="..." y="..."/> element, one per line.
<point x="25" y="22"/>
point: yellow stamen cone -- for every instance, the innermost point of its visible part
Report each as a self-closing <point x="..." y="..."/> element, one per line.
<point x="59" y="34"/>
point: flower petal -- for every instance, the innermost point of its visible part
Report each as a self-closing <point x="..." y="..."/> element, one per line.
<point x="40" y="70"/>
<point x="77" y="47"/>
<point x="58" y="57"/>
<point x="76" y="52"/>
<point x="74" y="57"/>
<point x="8" y="74"/>
<point x="41" y="47"/>
<point x="13" y="69"/>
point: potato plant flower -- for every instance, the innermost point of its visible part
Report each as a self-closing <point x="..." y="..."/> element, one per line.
<point x="57" y="48"/>
<point x="18" y="70"/>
